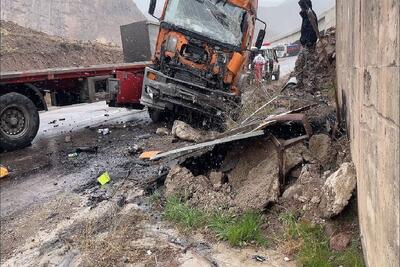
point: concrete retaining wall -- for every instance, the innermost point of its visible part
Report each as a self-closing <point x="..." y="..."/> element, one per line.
<point x="368" y="60"/>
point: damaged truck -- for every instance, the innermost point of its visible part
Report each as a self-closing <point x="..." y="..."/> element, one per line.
<point x="201" y="50"/>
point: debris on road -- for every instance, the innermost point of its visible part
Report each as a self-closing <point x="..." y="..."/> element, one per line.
<point x="87" y="149"/>
<point x="149" y="154"/>
<point x="67" y="139"/>
<point x="3" y="172"/>
<point x="104" y="131"/>
<point x="162" y="131"/>
<point x="104" y="178"/>
<point x="73" y="155"/>
<point x="186" y="132"/>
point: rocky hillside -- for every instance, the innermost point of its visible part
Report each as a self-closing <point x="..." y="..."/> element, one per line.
<point x="75" y="19"/>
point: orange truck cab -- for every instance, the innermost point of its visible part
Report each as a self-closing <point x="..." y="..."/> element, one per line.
<point x="201" y="50"/>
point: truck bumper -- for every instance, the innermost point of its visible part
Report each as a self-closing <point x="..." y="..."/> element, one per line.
<point x="164" y="92"/>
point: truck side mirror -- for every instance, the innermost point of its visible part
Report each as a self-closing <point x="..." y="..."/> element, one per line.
<point x="260" y="39"/>
<point x="152" y="7"/>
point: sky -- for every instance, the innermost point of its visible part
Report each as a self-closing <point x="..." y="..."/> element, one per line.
<point x="143" y="5"/>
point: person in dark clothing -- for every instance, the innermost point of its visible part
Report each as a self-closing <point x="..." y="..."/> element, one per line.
<point x="309" y="27"/>
<point x="309" y="37"/>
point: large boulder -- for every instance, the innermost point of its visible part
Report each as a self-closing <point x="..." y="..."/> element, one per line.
<point x="338" y="190"/>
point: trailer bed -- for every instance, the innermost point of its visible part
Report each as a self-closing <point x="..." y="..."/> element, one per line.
<point x="69" y="73"/>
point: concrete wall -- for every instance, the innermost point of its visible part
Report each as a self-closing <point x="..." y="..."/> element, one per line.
<point x="368" y="60"/>
<point x="326" y="20"/>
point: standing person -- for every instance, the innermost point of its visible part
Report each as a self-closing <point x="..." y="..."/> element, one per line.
<point x="308" y="39"/>
<point x="259" y="66"/>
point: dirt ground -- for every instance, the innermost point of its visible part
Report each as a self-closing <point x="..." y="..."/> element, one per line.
<point x="26" y="49"/>
<point x="55" y="214"/>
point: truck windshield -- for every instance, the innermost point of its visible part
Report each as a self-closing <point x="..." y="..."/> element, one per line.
<point x="215" y="19"/>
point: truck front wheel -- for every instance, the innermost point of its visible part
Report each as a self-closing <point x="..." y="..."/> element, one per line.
<point x="19" y="121"/>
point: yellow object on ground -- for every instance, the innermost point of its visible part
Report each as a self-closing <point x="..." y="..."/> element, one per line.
<point x="104" y="178"/>
<point x="3" y="172"/>
<point x="149" y="154"/>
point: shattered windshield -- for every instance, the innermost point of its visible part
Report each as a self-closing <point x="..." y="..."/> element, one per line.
<point x="215" y="19"/>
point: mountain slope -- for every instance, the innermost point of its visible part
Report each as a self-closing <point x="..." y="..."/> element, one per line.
<point x="76" y="19"/>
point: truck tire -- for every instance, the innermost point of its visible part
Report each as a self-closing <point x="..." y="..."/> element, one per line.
<point x="156" y="115"/>
<point x="19" y="121"/>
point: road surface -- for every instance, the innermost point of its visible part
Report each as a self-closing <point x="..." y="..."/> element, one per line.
<point x="287" y="65"/>
<point x="60" y="120"/>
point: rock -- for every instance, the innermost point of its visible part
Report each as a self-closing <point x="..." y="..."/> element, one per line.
<point x="295" y="156"/>
<point x="340" y="241"/>
<point x="310" y="174"/>
<point x="162" y="131"/>
<point x="315" y="200"/>
<point x="338" y="190"/>
<point x="322" y="150"/>
<point x="68" y="139"/>
<point x="186" y="132"/>
<point x="216" y="178"/>
<point x="293" y="191"/>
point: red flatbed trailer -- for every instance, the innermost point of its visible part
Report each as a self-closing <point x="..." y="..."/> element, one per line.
<point x="22" y="94"/>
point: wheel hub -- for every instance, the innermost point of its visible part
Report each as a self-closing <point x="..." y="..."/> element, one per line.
<point x="12" y="121"/>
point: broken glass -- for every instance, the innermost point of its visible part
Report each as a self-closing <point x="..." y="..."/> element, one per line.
<point x="214" y="19"/>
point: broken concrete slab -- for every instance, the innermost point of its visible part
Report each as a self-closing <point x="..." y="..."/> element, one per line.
<point x="321" y="149"/>
<point x="338" y="190"/>
<point x="257" y="186"/>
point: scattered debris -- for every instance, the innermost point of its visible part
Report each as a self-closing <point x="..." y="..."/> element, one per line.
<point x="104" y="131"/>
<point x="67" y="139"/>
<point x="135" y="149"/>
<point x="87" y="149"/>
<point x="162" y="131"/>
<point x="186" y="132"/>
<point x="104" y="178"/>
<point x="259" y="258"/>
<point x="3" y="172"/>
<point x="73" y="155"/>
<point x="149" y="154"/>
<point x="338" y="190"/>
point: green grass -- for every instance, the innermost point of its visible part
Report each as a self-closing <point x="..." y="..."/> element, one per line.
<point x="238" y="231"/>
<point x="314" y="251"/>
<point x="183" y="215"/>
<point x="155" y="197"/>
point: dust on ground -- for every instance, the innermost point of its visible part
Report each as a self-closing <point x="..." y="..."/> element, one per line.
<point x="25" y="49"/>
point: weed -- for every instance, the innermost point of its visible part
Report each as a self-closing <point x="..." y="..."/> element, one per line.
<point x="155" y="197"/>
<point x="240" y="231"/>
<point x="313" y="250"/>
<point x="184" y="216"/>
<point x="237" y="231"/>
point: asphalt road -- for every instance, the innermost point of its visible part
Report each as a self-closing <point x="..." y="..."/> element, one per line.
<point x="61" y="120"/>
<point x="287" y="65"/>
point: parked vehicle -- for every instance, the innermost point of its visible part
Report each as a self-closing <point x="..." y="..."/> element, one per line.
<point x="22" y="95"/>
<point x="287" y="50"/>
<point x="200" y="54"/>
